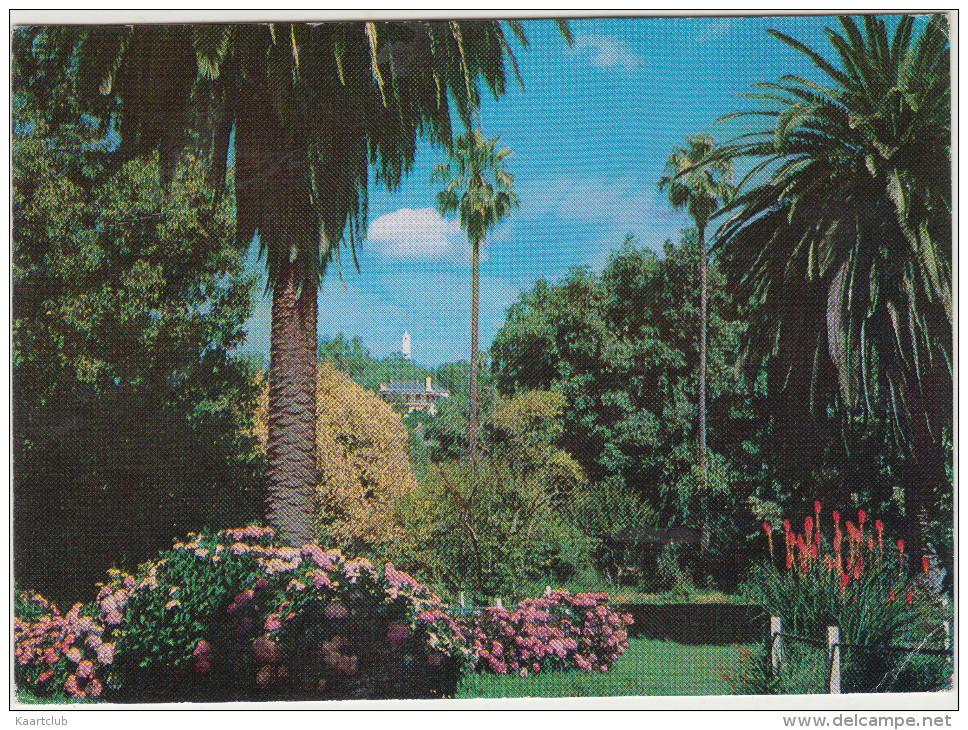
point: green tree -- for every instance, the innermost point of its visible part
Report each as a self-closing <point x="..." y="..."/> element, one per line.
<point x="621" y="347"/>
<point x="306" y="110"/>
<point x="699" y="184"/>
<point x="481" y="191"/>
<point x="130" y="407"/>
<point x="843" y="237"/>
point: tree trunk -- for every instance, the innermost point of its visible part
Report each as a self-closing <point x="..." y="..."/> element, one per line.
<point x="928" y="409"/>
<point x="472" y="396"/>
<point x="702" y="389"/>
<point x="291" y="447"/>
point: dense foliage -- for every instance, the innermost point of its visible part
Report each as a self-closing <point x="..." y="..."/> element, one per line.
<point x="234" y="616"/>
<point x="129" y="405"/>
<point x="622" y="348"/>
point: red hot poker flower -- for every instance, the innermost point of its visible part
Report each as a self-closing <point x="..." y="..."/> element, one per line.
<point x="808" y="526"/>
<point x="861" y="516"/>
<point x="890" y="595"/>
<point x="767" y="528"/>
<point x="925" y="565"/>
<point x="910" y="597"/>
<point x="835" y="515"/>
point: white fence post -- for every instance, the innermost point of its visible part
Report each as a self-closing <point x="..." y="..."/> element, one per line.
<point x="776" y="647"/>
<point x="833" y="659"/>
<point x="497" y="602"/>
<point x="462" y="606"/>
<point x="547" y="590"/>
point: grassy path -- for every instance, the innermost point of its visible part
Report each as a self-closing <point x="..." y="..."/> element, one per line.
<point x="647" y="668"/>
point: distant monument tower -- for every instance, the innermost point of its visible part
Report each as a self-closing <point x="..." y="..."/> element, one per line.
<point x="405" y="346"/>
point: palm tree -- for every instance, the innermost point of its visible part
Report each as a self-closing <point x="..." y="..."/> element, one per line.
<point x="297" y="113"/>
<point x="478" y="187"/>
<point x="699" y="183"/>
<point x="844" y="240"/>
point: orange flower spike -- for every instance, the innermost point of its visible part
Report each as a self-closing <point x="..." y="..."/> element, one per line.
<point x="858" y="567"/>
<point x="816" y="539"/>
<point x="813" y="552"/>
<point x="890" y="595"/>
<point x="925" y="565"/>
<point x="808" y="526"/>
<point x="828" y="562"/>
<point x="789" y="560"/>
<point x="844" y="580"/>
<point x="768" y="529"/>
<point x="870" y="544"/>
<point x="816" y="514"/>
<point x="910" y="597"/>
<point x="900" y="556"/>
<point x="879" y="526"/>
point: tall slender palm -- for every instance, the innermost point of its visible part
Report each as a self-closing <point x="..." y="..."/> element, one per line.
<point x="305" y="109"/>
<point x="481" y="191"/>
<point x="700" y="184"/>
<point x="844" y="238"/>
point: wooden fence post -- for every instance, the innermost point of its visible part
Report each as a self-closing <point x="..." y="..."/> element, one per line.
<point x="776" y="647"/>
<point x="833" y="659"/>
<point x="947" y="627"/>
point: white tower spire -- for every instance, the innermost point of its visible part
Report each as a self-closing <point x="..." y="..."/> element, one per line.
<point x="405" y="346"/>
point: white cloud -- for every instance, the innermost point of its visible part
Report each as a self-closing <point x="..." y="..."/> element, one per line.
<point x="416" y="234"/>
<point x="605" y="52"/>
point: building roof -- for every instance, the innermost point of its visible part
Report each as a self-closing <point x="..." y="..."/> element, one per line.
<point x="411" y="387"/>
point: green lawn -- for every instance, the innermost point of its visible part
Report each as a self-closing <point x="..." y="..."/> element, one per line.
<point x="648" y="667"/>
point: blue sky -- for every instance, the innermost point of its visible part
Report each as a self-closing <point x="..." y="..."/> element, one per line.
<point x="590" y="135"/>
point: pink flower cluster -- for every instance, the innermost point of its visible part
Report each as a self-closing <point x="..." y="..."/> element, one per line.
<point x="80" y="649"/>
<point x="252" y="532"/>
<point x="556" y="631"/>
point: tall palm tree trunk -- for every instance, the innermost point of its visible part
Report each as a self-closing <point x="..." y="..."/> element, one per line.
<point x="704" y="499"/>
<point x="291" y="447"/>
<point x="472" y="396"/>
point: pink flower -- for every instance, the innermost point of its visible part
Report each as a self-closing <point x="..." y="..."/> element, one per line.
<point x="523" y="672"/>
<point x="426" y="617"/>
<point x="239" y="548"/>
<point x="321" y="580"/>
<point x="74" y="655"/>
<point x="94" y="688"/>
<point x="105" y="654"/>
<point x="70" y="686"/>
<point x="113" y="619"/>
<point x="202" y="649"/>
<point x="85" y="670"/>
<point x="43" y="677"/>
<point x="273" y="622"/>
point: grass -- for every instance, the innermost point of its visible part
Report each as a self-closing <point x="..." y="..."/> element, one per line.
<point x="647" y="668"/>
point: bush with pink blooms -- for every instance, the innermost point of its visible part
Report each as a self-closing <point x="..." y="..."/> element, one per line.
<point x="558" y="631"/>
<point x="233" y="616"/>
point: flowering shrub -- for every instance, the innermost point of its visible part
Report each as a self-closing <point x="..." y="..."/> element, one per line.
<point x="232" y="616"/>
<point x="852" y="577"/>
<point x="557" y="631"/>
